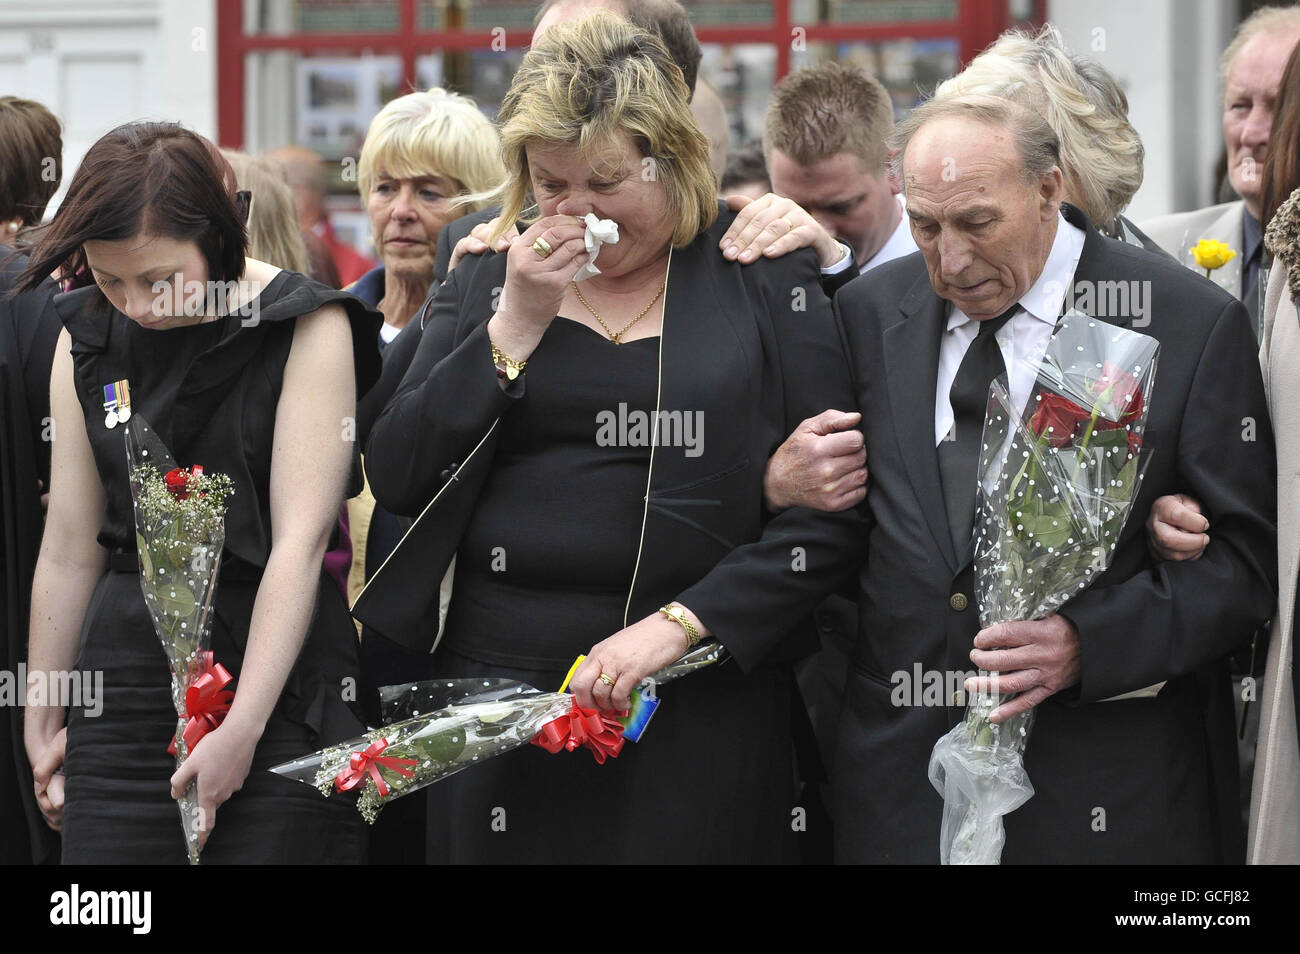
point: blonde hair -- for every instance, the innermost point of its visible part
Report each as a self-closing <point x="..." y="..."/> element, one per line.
<point x="1264" y="20"/>
<point x="273" y="235"/>
<point x="588" y="83"/>
<point x="1101" y="152"/>
<point x="433" y="133"/>
<point x="820" y="111"/>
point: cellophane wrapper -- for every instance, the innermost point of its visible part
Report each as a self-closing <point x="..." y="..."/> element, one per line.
<point x="1056" y="487"/>
<point x="180" y="558"/>
<point x="448" y="725"/>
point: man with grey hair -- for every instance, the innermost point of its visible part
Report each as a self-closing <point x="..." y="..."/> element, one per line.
<point x="1116" y="781"/>
<point x="1249" y="74"/>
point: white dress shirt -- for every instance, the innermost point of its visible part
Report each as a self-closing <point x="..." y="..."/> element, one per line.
<point x="1023" y="339"/>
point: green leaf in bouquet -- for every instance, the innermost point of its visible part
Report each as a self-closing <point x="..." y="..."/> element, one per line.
<point x="1045" y="529"/>
<point x="175" y="600"/>
<point x="146" y="562"/>
<point x="445" y="745"/>
<point x="1121" y="488"/>
<point x="496" y="723"/>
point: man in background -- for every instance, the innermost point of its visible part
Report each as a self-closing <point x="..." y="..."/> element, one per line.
<point x="1250" y="72"/>
<point x="824" y="140"/>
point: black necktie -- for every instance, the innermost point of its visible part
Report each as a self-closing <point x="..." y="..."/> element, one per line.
<point x="959" y="452"/>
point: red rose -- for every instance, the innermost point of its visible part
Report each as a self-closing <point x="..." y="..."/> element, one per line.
<point x="1121" y="392"/>
<point x="177" y="480"/>
<point x="1056" y="418"/>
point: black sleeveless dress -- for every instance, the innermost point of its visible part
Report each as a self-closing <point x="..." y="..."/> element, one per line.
<point x="210" y="392"/>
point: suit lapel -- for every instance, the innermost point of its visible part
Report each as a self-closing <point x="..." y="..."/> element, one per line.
<point x="912" y="366"/>
<point x="1096" y="265"/>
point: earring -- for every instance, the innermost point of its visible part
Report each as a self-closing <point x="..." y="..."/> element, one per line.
<point x="14" y="226"/>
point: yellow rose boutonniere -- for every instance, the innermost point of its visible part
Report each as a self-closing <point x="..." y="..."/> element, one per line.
<point x="1211" y="254"/>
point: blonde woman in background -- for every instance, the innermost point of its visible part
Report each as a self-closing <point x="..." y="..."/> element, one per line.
<point x="1101" y="152"/>
<point x="273" y="234"/>
<point x="423" y="151"/>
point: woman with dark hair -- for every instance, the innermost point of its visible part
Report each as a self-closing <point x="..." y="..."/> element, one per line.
<point x="31" y="160"/>
<point x="1281" y="173"/>
<point x="259" y="383"/>
<point x="31" y="149"/>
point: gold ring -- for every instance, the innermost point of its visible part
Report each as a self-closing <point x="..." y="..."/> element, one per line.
<point x="542" y="247"/>
<point x="788" y="227"/>
<point x="604" y="677"/>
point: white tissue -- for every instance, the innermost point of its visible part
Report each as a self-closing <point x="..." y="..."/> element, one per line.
<point x="599" y="231"/>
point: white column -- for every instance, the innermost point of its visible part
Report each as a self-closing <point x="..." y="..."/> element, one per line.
<point x="1165" y="54"/>
<point x="187" y="63"/>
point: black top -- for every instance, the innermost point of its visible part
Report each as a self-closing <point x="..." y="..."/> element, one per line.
<point x="548" y="557"/>
<point x="208" y="390"/>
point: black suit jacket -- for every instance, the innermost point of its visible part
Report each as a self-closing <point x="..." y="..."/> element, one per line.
<point x="453" y="232"/>
<point x="753" y="348"/>
<point x="1142" y="780"/>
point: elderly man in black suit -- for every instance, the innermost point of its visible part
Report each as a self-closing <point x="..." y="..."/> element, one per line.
<point x="1147" y="778"/>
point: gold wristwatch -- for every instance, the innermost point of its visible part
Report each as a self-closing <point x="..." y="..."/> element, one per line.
<point x="678" y="615"/>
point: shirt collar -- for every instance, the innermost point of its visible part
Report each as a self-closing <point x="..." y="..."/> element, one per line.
<point x="899" y="243"/>
<point x="1045" y="297"/>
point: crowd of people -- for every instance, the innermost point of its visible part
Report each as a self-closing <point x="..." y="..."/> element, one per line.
<point x="420" y="492"/>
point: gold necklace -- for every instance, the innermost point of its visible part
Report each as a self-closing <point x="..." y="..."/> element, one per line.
<point x="617" y="337"/>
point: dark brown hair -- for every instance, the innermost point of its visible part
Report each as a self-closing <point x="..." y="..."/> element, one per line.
<point x="1281" y="174"/>
<point x="156" y="178"/>
<point x="31" y="159"/>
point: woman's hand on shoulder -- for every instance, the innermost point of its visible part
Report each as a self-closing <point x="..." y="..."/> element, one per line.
<point x="771" y="227"/>
<point x="478" y="242"/>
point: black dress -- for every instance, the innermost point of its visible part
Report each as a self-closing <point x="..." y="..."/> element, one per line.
<point x="210" y="392"/>
<point x="29" y="329"/>
<point x="542" y="574"/>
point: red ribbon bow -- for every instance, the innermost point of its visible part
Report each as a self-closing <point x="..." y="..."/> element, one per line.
<point x="207" y="703"/>
<point x="367" y="763"/>
<point x="592" y="728"/>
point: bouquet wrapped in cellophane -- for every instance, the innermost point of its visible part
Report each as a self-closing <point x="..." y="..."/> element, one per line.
<point x="1057" y="482"/>
<point x="179" y="535"/>
<point x="440" y="727"/>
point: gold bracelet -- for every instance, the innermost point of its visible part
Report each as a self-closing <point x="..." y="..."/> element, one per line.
<point x="507" y="368"/>
<point x="678" y="615"/>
